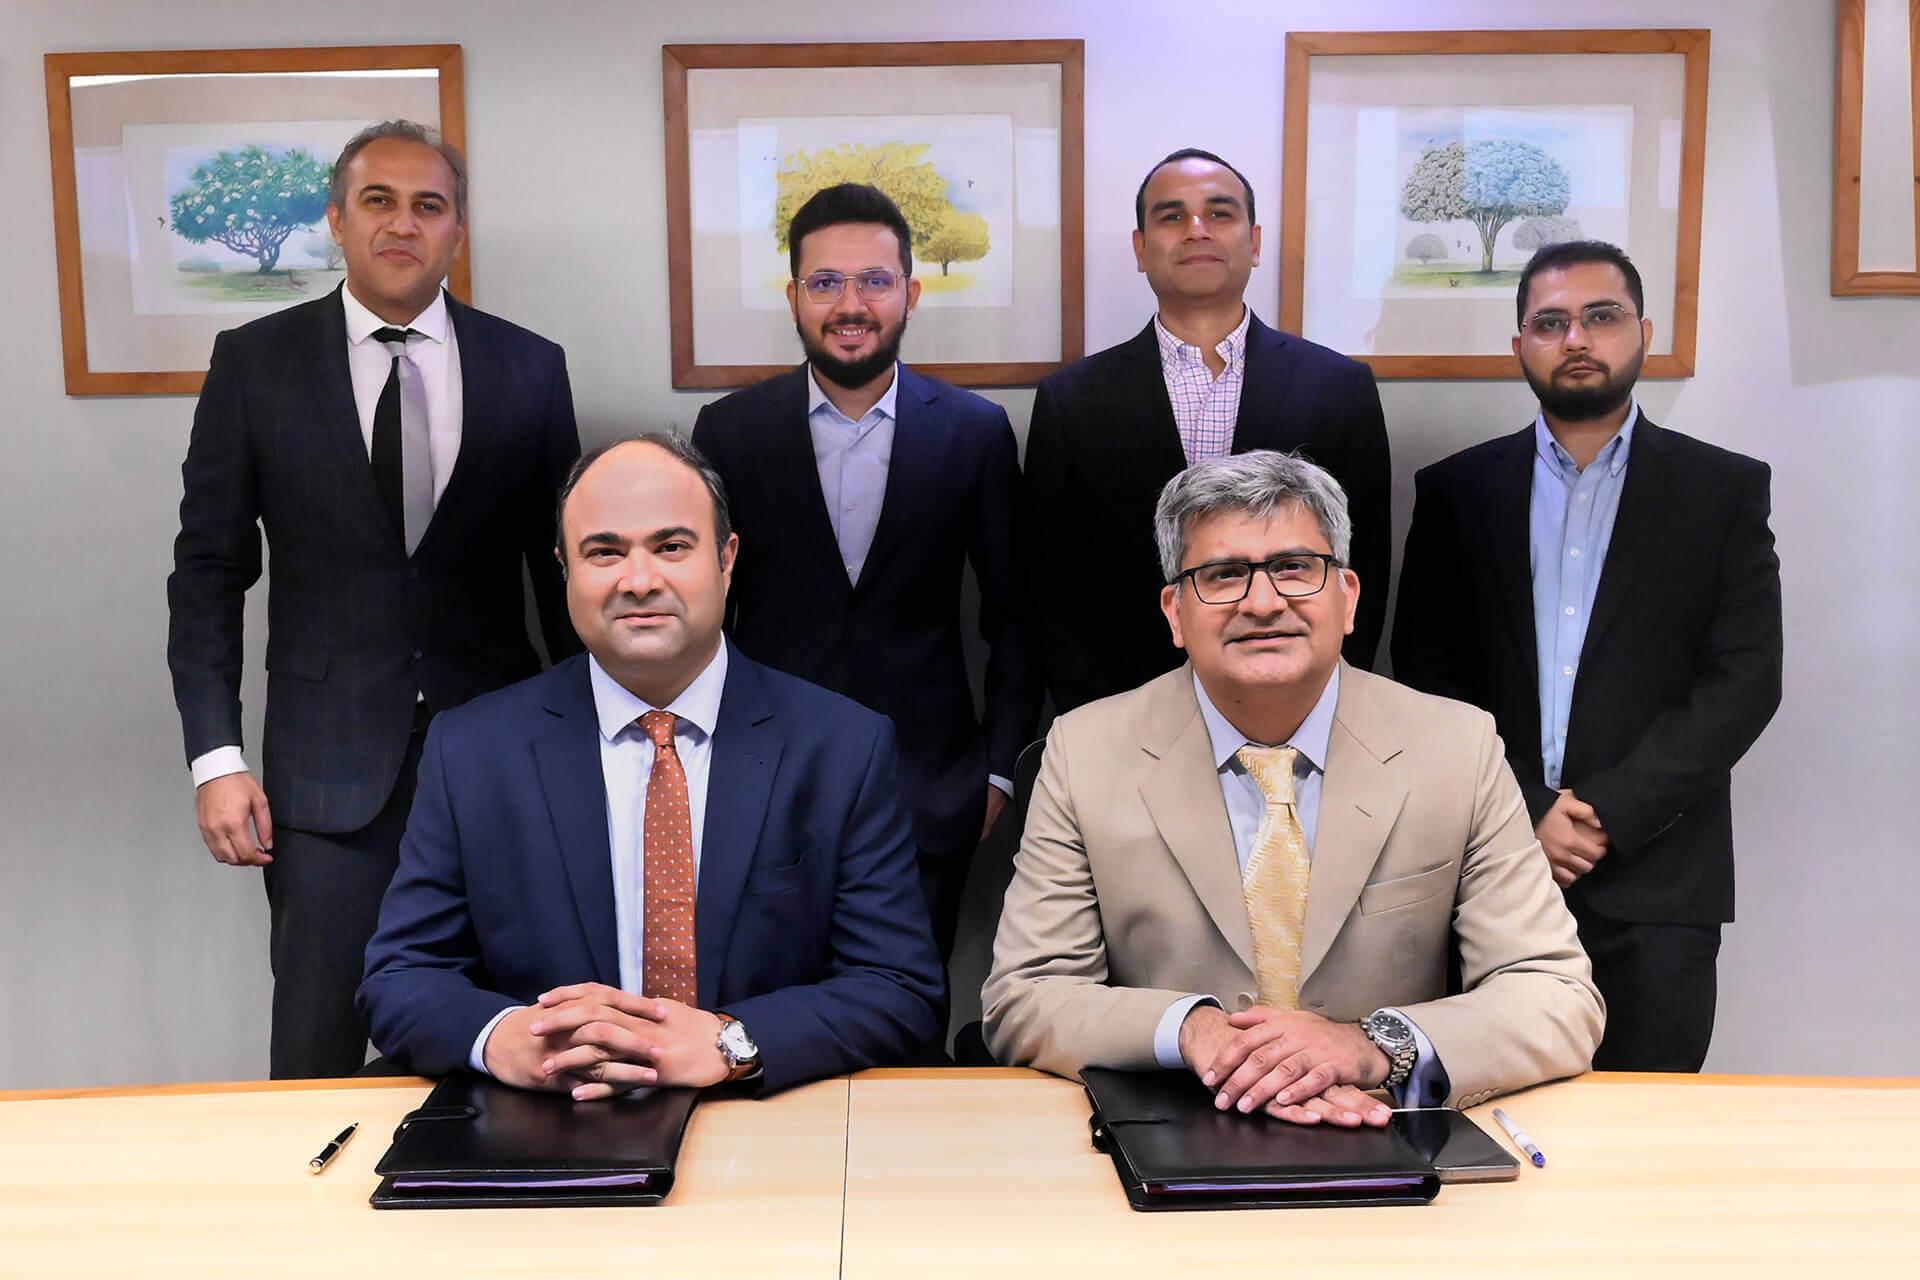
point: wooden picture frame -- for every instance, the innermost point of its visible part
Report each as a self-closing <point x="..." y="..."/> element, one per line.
<point x="751" y="125"/>
<point x="1861" y="181"/>
<point x="1641" y="93"/>
<point x="136" y="319"/>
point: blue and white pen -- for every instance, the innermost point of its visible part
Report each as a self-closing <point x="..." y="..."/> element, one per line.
<point x="1520" y="1139"/>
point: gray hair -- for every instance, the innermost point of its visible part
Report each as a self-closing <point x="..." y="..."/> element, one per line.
<point x="1256" y="484"/>
<point x="673" y="443"/>
<point x="402" y="131"/>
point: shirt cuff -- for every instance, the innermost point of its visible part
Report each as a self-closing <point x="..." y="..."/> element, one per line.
<point x="1428" y="1084"/>
<point x="477" y="1056"/>
<point x="1005" y="784"/>
<point x="217" y="763"/>
<point x="1166" y="1035"/>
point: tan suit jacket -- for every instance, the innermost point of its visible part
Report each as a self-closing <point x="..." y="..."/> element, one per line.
<point x="1126" y="892"/>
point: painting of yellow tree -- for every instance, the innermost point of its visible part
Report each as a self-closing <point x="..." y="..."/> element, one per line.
<point x="951" y="175"/>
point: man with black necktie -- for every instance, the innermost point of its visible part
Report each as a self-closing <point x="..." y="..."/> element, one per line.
<point x="400" y="451"/>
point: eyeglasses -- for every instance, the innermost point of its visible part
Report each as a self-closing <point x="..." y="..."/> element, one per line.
<point x="872" y="286"/>
<point x="1597" y="318"/>
<point x="1294" y="574"/>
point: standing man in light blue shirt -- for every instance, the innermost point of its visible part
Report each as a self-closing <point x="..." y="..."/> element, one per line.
<point x="1607" y="589"/>
<point x="863" y="491"/>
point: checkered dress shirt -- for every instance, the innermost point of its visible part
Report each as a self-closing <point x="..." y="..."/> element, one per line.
<point x="1204" y="407"/>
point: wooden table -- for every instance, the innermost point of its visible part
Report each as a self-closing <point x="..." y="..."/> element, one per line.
<point x="965" y="1173"/>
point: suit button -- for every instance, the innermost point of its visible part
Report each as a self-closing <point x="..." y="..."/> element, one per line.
<point x="1244" y="1000"/>
<point x="417" y="655"/>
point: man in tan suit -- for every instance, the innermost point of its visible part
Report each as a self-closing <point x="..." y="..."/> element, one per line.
<point x="1160" y="912"/>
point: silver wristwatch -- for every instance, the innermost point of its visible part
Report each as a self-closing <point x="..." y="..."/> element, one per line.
<point x="737" y="1047"/>
<point x="1393" y="1035"/>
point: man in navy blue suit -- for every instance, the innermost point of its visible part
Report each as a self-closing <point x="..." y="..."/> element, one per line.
<point x="863" y="490"/>
<point x="658" y="863"/>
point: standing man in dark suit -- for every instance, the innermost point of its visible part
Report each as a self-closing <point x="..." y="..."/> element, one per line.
<point x="1205" y="378"/>
<point x="1609" y="591"/>
<point x="660" y="863"/>
<point x="401" y="451"/>
<point x="862" y="490"/>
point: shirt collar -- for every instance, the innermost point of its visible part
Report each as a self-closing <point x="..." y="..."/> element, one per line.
<point x="1232" y="348"/>
<point x="431" y="323"/>
<point x="617" y="707"/>
<point x="1613" y="454"/>
<point x="1310" y="739"/>
<point x="885" y="404"/>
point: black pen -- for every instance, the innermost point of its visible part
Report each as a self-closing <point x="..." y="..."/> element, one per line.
<point x="332" y="1149"/>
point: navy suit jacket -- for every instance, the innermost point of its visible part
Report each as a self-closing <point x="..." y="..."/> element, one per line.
<point x="356" y="626"/>
<point x="809" y="922"/>
<point x="1103" y="443"/>
<point x="1678" y="674"/>
<point x="892" y="642"/>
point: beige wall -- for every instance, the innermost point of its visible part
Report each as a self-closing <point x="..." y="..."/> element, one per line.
<point x="129" y="956"/>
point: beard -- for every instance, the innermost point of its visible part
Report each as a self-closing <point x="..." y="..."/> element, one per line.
<point x="852" y="374"/>
<point x="1587" y="403"/>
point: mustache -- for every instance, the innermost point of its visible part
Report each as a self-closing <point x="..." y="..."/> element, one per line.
<point x="1583" y="362"/>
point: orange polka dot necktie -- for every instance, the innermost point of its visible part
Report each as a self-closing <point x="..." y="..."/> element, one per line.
<point x="667" y="951"/>
<point x="1275" y="883"/>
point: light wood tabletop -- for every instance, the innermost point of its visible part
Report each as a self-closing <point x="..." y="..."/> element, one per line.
<point x="1654" y="1176"/>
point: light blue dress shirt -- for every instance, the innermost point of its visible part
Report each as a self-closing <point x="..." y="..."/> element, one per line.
<point x="626" y="764"/>
<point x="1569" y="526"/>
<point x="853" y="458"/>
<point x="1246" y="808"/>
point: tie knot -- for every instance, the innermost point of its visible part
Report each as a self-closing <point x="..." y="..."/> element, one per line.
<point x="658" y="725"/>
<point x="1272" y="768"/>
<point x="390" y="334"/>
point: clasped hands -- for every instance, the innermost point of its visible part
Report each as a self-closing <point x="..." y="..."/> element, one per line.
<point x="596" y="1041"/>
<point x="1295" y="1065"/>
<point x="1572" y="837"/>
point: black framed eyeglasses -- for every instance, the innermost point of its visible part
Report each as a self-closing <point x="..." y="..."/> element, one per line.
<point x="1293" y="574"/>
<point x="1596" y="318"/>
<point x="872" y="286"/>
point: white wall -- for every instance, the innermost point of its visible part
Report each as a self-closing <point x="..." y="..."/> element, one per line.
<point x="128" y="955"/>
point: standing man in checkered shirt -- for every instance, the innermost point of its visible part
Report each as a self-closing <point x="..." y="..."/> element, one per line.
<point x="1204" y="379"/>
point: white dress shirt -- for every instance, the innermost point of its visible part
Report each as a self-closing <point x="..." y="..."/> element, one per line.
<point x="626" y="764"/>
<point x="1246" y="808"/>
<point x="437" y="355"/>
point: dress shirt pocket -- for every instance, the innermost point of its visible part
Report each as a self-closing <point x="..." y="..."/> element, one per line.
<point x="767" y="881"/>
<point x="301" y="661"/>
<point x="1404" y="891"/>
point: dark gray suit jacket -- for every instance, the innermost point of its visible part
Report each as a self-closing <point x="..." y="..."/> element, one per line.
<point x="355" y="626"/>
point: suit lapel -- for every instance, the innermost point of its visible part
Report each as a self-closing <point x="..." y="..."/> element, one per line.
<point x="1508" y="506"/>
<point x="483" y="371"/>
<point x="746" y="753"/>
<point x="1263" y="389"/>
<point x="1182" y="794"/>
<point x="1359" y="802"/>
<point x="336" y="418"/>
<point x="1141" y="390"/>
<point x="567" y="758"/>
<point x="911" y="469"/>
<point x="1637" y="529"/>
<point x="793" y="473"/>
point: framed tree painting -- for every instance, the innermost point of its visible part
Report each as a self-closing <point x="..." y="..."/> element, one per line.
<point x="978" y="142"/>
<point x="190" y="192"/>
<point x="1876" y="154"/>
<point x="1423" y="169"/>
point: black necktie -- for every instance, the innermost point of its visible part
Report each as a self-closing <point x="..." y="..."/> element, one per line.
<point x="388" y="474"/>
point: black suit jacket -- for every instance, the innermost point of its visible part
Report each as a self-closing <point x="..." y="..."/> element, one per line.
<point x="892" y="641"/>
<point x="1678" y="674"/>
<point x="355" y="626"/>
<point x="1101" y="446"/>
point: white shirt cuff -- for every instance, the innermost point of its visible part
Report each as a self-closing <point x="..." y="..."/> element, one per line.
<point x="1005" y="784"/>
<point x="477" y="1056"/>
<point x="1428" y="1084"/>
<point x="1166" y="1034"/>
<point x="217" y="763"/>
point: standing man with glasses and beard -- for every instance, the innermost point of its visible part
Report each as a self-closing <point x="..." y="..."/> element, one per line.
<point x="1609" y="591"/>
<point x="861" y="490"/>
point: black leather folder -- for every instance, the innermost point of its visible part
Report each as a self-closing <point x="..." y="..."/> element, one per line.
<point x="478" y="1144"/>
<point x="1173" y="1150"/>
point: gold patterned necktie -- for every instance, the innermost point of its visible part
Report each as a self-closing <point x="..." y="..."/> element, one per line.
<point x="1275" y="883"/>
<point x="667" y="946"/>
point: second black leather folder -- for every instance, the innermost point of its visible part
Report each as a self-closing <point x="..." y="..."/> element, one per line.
<point x="1174" y="1150"/>
<point x="478" y="1144"/>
